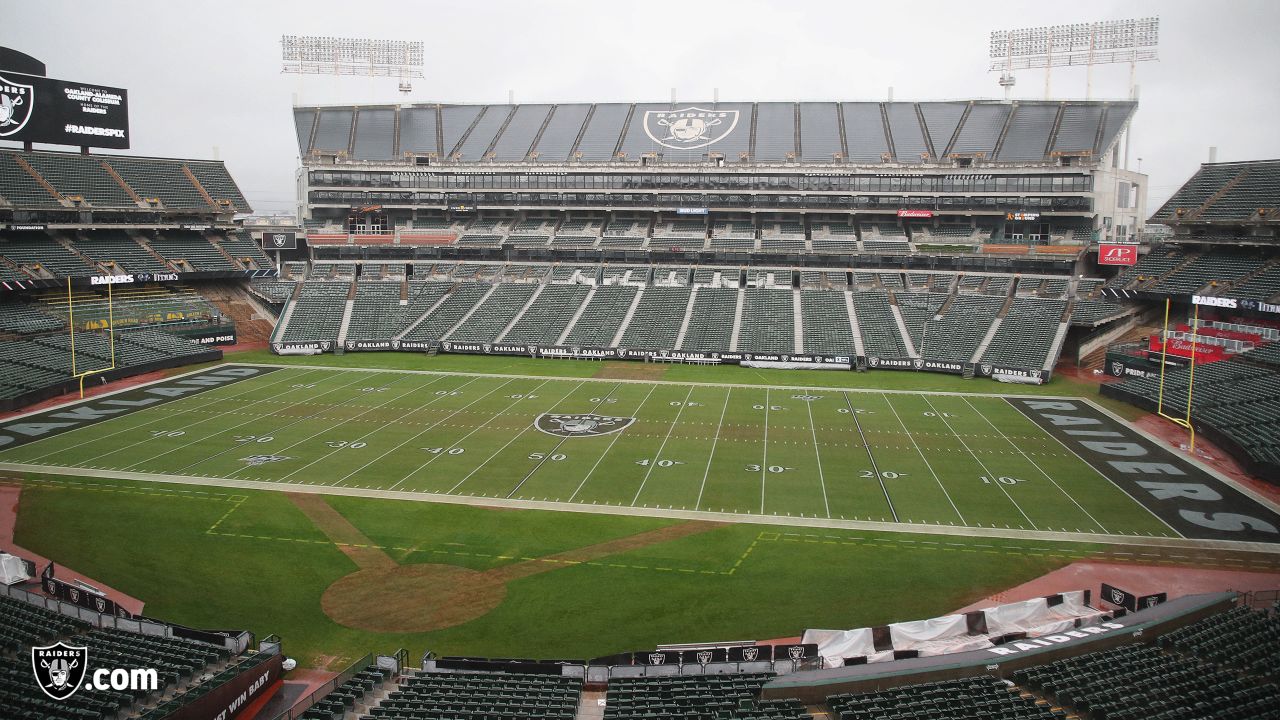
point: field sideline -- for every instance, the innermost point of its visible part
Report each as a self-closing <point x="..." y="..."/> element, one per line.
<point x="869" y="458"/>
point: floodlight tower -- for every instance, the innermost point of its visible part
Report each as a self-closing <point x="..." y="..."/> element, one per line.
<point x="1092" y="43"/>
<point x="317" y="55"/>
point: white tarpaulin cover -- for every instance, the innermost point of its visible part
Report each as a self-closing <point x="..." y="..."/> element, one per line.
<point x="950" y="633"/>
<point x="12" y="570"/>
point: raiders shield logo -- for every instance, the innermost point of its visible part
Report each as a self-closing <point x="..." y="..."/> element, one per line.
<point x="704" y="657"/>
<point x="985" y="368"/>
<point x="795" y="652"/>
<point x="16" y="100"/>
<point x="581" y="425"/>
<point x="873" y="361"/>
<point x="750" y="654"/>
<point x="1117" y="597"/>
<point x="1117" y="369"/>
<point x="657" y="658"/>
<point x="59" y="669"/>
<point x="100" y="604"/>
<point x="256" y="460"/>
<point x="689" y="128"/>
<point x="918" y="363"/>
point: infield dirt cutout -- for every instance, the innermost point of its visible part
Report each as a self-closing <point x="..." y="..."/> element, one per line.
<point x="385" y="596"/>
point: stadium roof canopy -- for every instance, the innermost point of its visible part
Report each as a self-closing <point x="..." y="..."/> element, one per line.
<point x="1226" y="194"/>
<point x="844" y="133"/>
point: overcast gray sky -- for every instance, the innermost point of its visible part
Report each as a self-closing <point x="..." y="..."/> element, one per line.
<point x="207" y="75"/>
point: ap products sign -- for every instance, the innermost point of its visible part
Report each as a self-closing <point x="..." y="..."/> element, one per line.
<point x="40" y="109"/>
<point x="1117" y="254"/>
<point x="279" y="241"/>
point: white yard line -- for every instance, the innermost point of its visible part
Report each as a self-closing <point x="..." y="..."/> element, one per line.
<point x="712" y="456"/>
<point x="514" y="438"/>
<point x="980" y="463"/>
<point x="344" y="421"/>
<point x="1036" y="464"/>
<point x="1103" y="475"/>
<point x="764" y="462"/>
<point x="428" y="429"/>
<point x="813" y="432"/>
<point x="927" y="464"/>
<point x="256" y="419"/>
<point x="658" y="455"/>
<point x="271" y="432"/>
<point x="609" y="448"/>
<point x="163" y="417"/>
<point x="875" y="467"/>
<point x="547" y="455"/>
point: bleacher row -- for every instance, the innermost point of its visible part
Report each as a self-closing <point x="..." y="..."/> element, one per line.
<point x="1175" y="269"/>
<point x="701" y="311"/>
<point x="1237" y="400"/>
<point x="847" y="236"/>
<point x="187" y="669"/>
<point x="1223" y="667"/>
<point x="116" y="182"/>
<point x="37" y="254"/>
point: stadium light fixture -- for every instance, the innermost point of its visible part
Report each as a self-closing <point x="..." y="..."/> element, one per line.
<point x="1093" y="43"/>
<point x="369" y="57"/>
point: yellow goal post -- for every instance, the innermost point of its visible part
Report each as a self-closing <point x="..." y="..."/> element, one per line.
<point x="71" y="330"/>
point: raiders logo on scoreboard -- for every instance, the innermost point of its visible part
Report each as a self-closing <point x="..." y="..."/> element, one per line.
<point x="580" y="424"/>
<point x="16" y="100"/>
<point x="689" y="128"/>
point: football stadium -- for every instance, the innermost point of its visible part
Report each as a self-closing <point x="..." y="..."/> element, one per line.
<point x="609" y="407"/>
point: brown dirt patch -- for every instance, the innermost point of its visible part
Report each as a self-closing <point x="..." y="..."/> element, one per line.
<point x="385" y="597"/>
<point x="362" y="551"/>
<point x="630" y="371"/>
<point x="412" y="598"/>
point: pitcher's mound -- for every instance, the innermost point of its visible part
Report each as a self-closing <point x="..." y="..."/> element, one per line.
<point x="411" y="598"/>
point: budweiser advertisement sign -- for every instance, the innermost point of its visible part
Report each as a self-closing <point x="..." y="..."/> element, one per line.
<point x="1183" y="349"/>
<point x="1117" y="254"/>
<point x="915" y="213"/>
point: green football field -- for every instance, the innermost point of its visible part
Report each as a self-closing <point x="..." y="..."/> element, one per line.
<point x="852" y="455"/>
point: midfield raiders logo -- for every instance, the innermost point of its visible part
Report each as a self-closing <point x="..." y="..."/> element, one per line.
<point x="59" y="669"/>
<point x="15" y="105"/>
<point x="689" y="128"/>
<point x="255" y="460"/>
<point x="581" y="425"/>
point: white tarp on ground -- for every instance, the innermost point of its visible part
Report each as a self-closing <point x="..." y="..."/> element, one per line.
<point x="12" y="570"/>
<point x="950" y="633"/>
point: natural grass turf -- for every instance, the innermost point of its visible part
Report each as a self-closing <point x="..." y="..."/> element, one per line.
<point x="730" y="374"/>
<point x="265" y="567"/>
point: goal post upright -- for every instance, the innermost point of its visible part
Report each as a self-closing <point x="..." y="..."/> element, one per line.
<point x="71" y="330"/>
<point x="1164" y="355"/>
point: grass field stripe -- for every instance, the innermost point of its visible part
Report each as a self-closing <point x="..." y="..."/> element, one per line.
<point x="1102" y="474"/>
<point x="1037" y="466"/>
<point x="609" y="447"/>
<point x="184" y="428"/>
<point x="371" y="432"/>
<point x="543" y="461"/>
<point x="515" y="437"/>
<point x="711" y="456"/>
<point x="420" y="433"/>
<point x="473" y="430"/>
<point x="923" y="457"/>
<point x="658" y="455"/>
<point x="875" y="468"/>
<point x="979" y="461"/>
<point x="813" y="432"/>
<point x="238" y="425"/>
<point x="284" y="376"/>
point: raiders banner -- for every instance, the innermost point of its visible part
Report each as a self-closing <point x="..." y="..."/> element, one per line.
<point x="1150" y="601"/>
<point x="1120" y="598"/>
<point x="279" y="241"/>
<point x="78" y="596"/>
